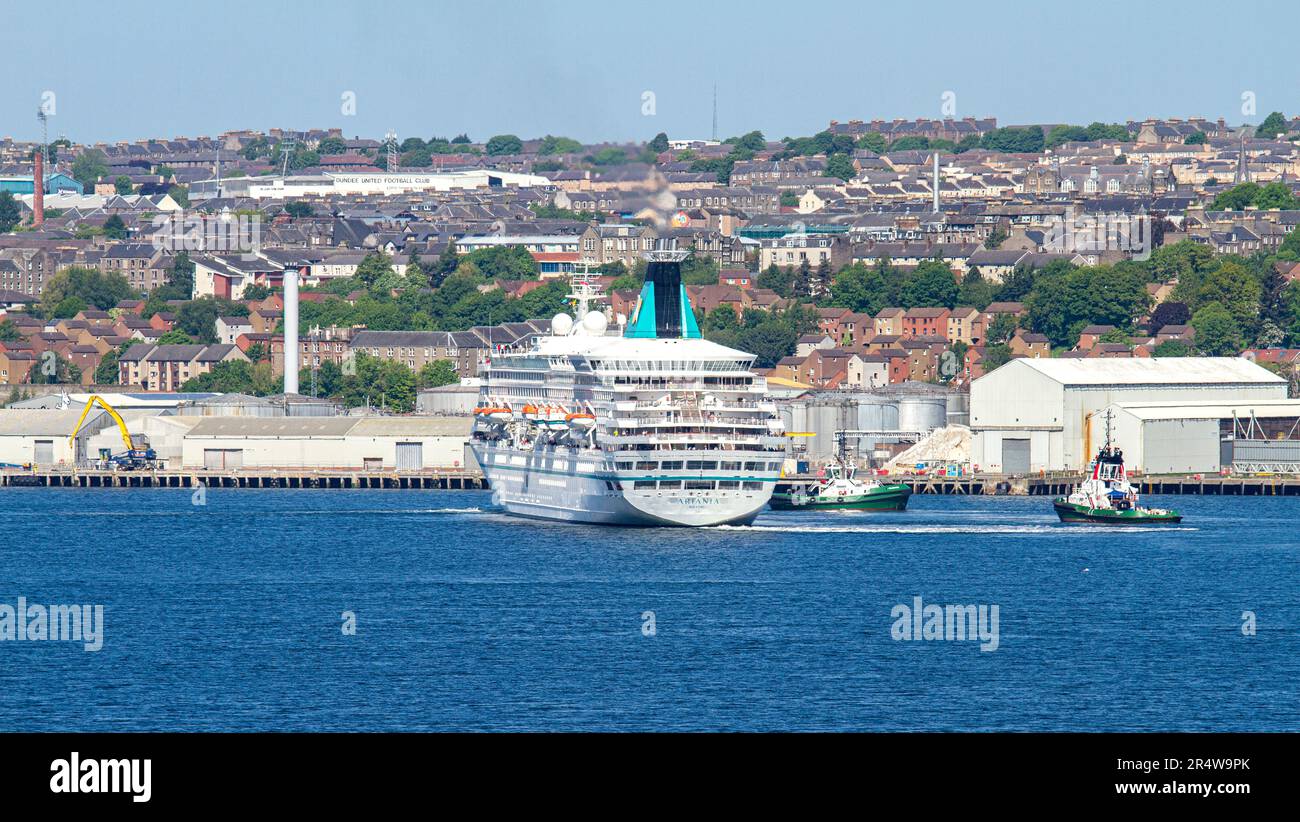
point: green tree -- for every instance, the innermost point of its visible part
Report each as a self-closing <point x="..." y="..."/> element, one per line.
<point x="298" y="208"/>
<point x="1234" y="288"/>
<point x="256" y="291"/>
<point x="1001" y="329"/>
<point x="175" y="337"/>
<point x="198" y="318"/>
<point x="1061" y="303"/>
<point x="932" y="285"/>
<point x="108" y="372"/>
<point x="375" y="267"/>
<point x="89" y="167"/>
<point x="332" y="145"/>
<point x="1014" y="140"/>
<point x="179" y="279"/>
<point x="860" y="288"/>
<point x="1217" y="333"/>
<point x="557" y="145"/>
<point x="659" y="144"/>
<point x="436" y="373"/>
<point x="996" y="356"/>
<point x="839" y="165"/>
<point x="239" y="377"/>
<point x="101" y="290"/>
<point x="1172" y="348"/>
<point x="52" y="369"/>
<point x="505" y="262"/>
<point x="1274" y="125"/>
<point x="114" y="228"/>
<point x="123" y="185"/>
<point x="504" y="144"/>
<point x="872" y="141"/>
<point x="10" y="213"/>
<point x="975" y="290"/>
<point x="1196" y="138"/>
<point x="910" y="144"/>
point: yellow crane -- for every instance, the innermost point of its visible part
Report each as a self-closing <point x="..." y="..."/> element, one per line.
<point x="134" y="457"/>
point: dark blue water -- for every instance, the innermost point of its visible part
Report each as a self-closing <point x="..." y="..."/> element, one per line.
<point x="228" y="617"/>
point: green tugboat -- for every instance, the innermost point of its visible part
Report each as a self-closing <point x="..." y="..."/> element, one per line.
<point x="839" y="487"/>
<point x="1108" y="498"/>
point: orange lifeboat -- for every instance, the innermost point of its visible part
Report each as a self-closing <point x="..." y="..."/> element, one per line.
<point x="580" y="420"/>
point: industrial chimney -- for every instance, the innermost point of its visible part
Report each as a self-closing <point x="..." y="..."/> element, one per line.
<point x="291" y="330"/>
<point x="936" y="182"/>
<point x="38" y="191"/>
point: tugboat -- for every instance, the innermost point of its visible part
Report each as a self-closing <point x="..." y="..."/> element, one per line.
<point x="839" y="487"/>
<point x="1108" y="497"/>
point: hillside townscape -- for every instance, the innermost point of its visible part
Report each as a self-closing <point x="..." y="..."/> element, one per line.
<point x="871" y="252"/>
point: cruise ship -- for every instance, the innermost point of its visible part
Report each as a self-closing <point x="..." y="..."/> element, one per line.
<point x="638" y="421"/>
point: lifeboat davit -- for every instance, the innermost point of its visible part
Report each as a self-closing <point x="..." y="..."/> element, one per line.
<point x="553" y="416"/>
<point x="529" y="412"/>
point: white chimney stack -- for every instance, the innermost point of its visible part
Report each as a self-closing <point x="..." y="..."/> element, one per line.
<point x="291" y="330"/>
<point x="936" y="182"/>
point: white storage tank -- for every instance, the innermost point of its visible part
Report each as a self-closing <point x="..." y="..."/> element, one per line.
<point x="958" y="408"/>
<point x="922" y="413"/>
<point x="877" y="413"/>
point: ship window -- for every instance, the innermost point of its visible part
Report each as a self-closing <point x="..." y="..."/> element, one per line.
<point x="774" y="466"/>
<point x="699" y="485"/>
<point x="730" y="466"/>
<point x="625" y="466"/>
<point x="754" y="466"/>
<point x="728" y="485"/>
<point x="641" y="485"/>
<point x="670" y="485"/>
<point x="647" y="466"/>
<point x="701" y="465"/>
<point x="671" y="465"/>
<point x="753" y="486"/>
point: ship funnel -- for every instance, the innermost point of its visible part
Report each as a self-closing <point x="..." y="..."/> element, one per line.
<point x="663" y="310"/>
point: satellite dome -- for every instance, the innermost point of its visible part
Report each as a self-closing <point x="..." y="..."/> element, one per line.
<point x="561" y="324"/>
<point x="594" y="323"/>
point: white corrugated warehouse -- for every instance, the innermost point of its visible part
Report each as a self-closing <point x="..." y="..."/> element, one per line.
<point x="40" y="436"/>
<point x="1187" y="437"/>
<point x="1035" y="415"/>
<point x="371" y="443"/>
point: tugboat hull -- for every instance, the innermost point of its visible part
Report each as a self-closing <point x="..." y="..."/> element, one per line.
<point x="884" y="498"/>
<point x="1070" y="512"/>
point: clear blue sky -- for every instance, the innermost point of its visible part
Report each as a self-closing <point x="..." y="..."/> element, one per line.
<point x="130" y="70"/>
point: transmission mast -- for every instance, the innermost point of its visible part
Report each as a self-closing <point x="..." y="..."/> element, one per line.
<point x="393" y="162"/>
<point x="287" y="147"/>
<point x="45" y="138"/>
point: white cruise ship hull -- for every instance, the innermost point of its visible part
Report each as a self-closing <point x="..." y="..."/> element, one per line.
<point x="583" y="487"/>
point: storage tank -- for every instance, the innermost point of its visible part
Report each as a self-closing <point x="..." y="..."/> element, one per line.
<point x="877" y="413"/>
<point x="448" y="400"/>
<point x="922" y="413"/>
<point x="958" y="408"/>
